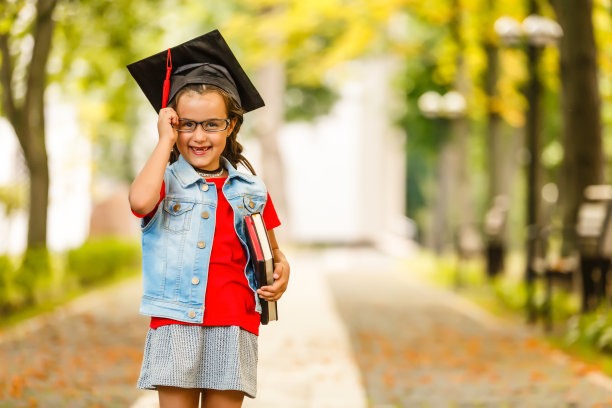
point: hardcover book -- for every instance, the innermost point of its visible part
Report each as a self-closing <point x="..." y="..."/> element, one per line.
<point x="263" y="261"/>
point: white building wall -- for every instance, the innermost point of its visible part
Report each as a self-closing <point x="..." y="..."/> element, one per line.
<point x="346" y="170"/>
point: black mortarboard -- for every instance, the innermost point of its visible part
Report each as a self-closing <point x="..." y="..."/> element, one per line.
<point x="204" y="60"/>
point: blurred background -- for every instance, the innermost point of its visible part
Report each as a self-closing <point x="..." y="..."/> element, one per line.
<point x="474" y="134"/>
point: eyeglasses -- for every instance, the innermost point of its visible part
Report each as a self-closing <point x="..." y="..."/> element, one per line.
<point x="209" y="125"/>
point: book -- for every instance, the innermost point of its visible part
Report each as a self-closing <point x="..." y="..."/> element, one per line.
<point x="263" y="261"/>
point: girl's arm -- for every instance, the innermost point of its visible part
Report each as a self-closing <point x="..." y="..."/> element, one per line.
<point x="144" y="192"/>
<point x="281" y="273"/>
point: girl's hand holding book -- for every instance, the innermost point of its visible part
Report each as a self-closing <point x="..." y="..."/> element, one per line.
<point x="281" y="275"/>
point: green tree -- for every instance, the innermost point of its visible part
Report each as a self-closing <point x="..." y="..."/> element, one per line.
<point x="95" y="40"/>
<point x="25" y="110"/>
<point x="583" y="162"/>
<point x="26" y="31"/>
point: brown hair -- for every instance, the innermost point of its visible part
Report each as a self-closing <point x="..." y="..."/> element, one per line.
<point x="233" y="149"/>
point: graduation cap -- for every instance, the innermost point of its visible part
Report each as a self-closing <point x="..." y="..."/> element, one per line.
<point x="204" y="60"/>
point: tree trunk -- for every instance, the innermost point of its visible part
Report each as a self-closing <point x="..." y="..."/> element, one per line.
<point x="28" y="119"/>
<point x="583" y="157"/>
<point x="440" y="234"/>
<point x="494" y="122"/>
<point x="533" y="143"/>
<point x="533" y="127"/>
<point x="463" y="217"/>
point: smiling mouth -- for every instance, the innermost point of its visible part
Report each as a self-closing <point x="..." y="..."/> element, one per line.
<point x="199" y="150"/>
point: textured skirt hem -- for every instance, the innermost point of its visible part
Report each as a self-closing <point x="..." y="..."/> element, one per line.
<point x="203" y="357"/>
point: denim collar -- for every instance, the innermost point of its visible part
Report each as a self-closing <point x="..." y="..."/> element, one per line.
<point x="187" y="175"/>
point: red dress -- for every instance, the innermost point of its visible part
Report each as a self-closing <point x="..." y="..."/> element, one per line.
<point x="229" y="299"/>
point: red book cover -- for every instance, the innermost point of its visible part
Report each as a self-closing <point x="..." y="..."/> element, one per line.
<point x="263" y="263"/>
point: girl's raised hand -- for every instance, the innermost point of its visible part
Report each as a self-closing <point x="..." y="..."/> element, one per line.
<point x="167" y="118"/>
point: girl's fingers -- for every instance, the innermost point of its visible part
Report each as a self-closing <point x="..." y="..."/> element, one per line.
<point x="278" y="270"/>
<point x="275" y="291"/>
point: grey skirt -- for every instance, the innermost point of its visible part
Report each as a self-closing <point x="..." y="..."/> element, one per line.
<point x="213" y="357"/>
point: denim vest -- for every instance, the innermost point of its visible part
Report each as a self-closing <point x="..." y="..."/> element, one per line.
<point x="177" y="241"/>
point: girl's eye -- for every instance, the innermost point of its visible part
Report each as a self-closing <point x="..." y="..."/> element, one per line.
<point x="215" y="124"/>
<point x="187" y="125"/>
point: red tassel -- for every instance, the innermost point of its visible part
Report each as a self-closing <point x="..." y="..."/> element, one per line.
<point x="167" y="80"/>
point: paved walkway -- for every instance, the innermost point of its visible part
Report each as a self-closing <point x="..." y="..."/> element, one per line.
<point x="418" y="346"/>
<point x="356" y="331"/>
<point x="83" y="355"/>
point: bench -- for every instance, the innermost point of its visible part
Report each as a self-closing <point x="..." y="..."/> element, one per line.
<point x="586" y="269"/>
<point x="594" y="242"/>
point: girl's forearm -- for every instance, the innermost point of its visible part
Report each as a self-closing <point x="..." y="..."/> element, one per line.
<point x="278" y="255"/>
<point x="144" y="192"/>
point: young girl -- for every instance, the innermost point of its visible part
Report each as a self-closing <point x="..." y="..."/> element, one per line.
<point x="198" y="286"/>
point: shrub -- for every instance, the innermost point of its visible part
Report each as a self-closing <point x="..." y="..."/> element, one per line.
<point x="32" y="277"/>
<point x="6" y="273"/>
<point x="592" y="329"/>
<point x="102" y="260"/>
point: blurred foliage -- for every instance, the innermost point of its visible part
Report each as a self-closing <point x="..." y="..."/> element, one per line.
<point x="24" y="291"/>
<point x="94" y="41"/>
<point x="24" y="285"/>
<point x="13" y="197"/>
<point x="102" y="260"/>
<point x="431" y="65"/>
<point x="6" y="272"/>
<point x="305" y="103"/>
<point x="29" y="283"/>
<point x="593" y="329"/>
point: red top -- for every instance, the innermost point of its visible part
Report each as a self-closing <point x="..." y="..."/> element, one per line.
<point x="229" y="299"/>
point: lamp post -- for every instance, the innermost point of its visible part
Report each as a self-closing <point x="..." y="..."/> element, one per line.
<point x="538" y="32"/>
<point x="451" y="105"/>
<point x="443" y="108"/>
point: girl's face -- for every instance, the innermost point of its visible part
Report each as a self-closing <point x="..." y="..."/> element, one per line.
<point x="202" y="149"/>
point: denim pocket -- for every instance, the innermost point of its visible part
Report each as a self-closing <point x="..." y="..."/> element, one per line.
<point x="177" y="215"/>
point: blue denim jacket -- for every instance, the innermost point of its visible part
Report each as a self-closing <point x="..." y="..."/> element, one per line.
<point x="177" y="241"/>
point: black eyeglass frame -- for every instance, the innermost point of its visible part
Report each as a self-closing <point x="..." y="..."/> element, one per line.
<point x="227" y="122"/>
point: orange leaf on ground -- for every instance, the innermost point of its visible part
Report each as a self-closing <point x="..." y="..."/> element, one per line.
<point x="532" y="343"/>
<point x="16" y="387"/>
<point x="426" y="379"/>
<point x="582" y="369"/>
<point x="388" y="380"/>
<point x="537" y="376"/>
<point x="494" y="378"/>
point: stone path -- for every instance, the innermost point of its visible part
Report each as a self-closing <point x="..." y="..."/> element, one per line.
<point x="418" y="346"/>
<point x="357" y="330"/>
<point x="84" y="355"/>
